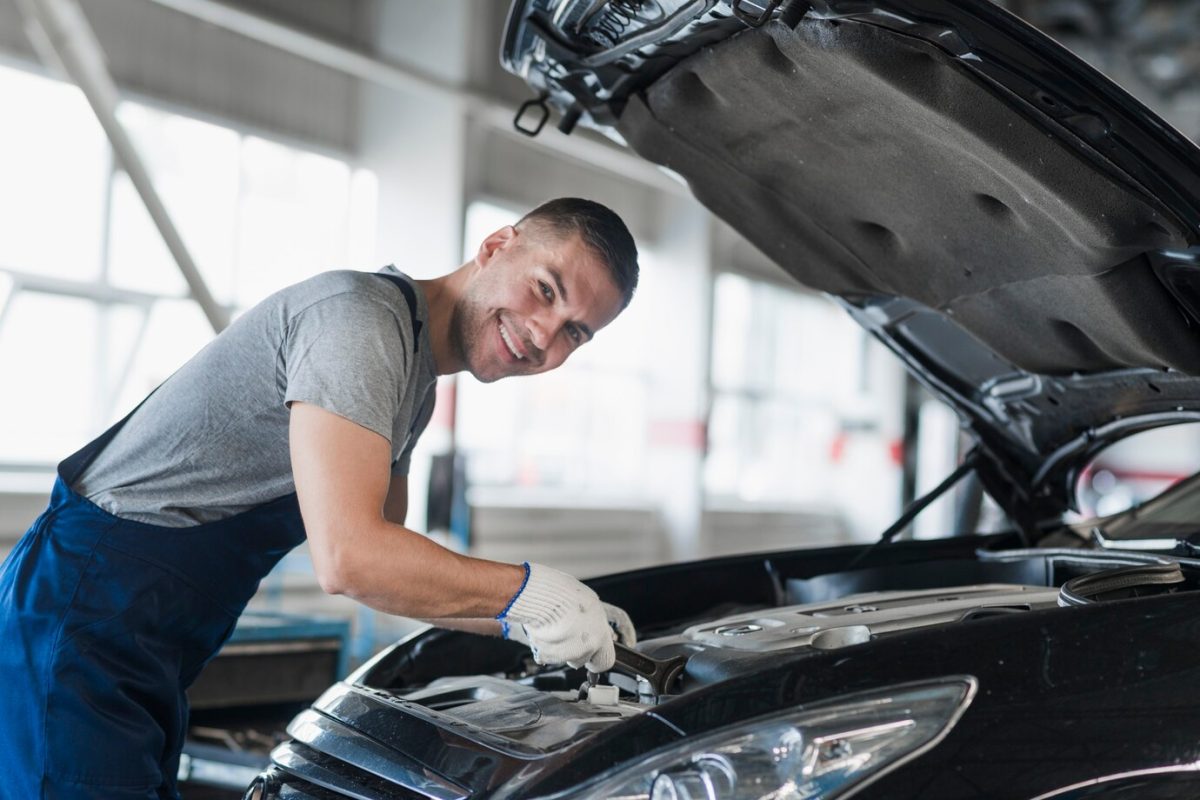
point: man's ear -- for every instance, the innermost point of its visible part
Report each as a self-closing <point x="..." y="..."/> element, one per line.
<point x="495" y="242"/>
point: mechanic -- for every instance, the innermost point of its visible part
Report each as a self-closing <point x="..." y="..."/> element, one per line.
<point x="298" y="420"/>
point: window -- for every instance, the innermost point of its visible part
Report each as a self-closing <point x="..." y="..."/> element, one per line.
<point x="799" y="408"/>
<point x="55" y="162"/>
<point x="93" y="310"/>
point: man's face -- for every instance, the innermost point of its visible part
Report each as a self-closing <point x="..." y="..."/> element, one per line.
<point x="533" y="299"/>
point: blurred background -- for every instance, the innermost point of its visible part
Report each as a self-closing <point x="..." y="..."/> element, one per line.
<point x="728" y="410"/>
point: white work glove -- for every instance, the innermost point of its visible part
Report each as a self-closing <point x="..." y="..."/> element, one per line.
<point x="618" y="620"/>
<point x="564" y="621"/>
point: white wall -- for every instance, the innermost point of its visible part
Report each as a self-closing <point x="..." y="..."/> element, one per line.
<point x="415" y="141"/>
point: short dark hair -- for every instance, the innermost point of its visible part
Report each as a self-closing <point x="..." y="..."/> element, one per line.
<point x="600" y="229"/>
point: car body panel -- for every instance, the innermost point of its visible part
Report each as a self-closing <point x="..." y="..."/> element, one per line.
<point x="1066" y="696"/>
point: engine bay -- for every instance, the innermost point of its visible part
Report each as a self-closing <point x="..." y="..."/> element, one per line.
<point x="530" y="708"/>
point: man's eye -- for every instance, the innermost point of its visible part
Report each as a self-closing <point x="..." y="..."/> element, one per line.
<point x="547" y="292"/>
<point x="575" y="334"/>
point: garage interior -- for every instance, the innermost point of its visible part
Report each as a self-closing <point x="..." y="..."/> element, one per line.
<point x="728" y="410"/>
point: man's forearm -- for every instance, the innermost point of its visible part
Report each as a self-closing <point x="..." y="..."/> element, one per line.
<point x="484" y="626"/>
<point x="399" y="571"/>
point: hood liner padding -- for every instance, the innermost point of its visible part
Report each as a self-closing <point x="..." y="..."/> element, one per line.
<point x="866" y="162"/>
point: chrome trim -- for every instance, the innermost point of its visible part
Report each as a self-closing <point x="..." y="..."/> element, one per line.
<point x="286" y="757"/>
<point x="342" y="742"/>
<point x="287" y="792"/>
<point x="1118" y="776"/>
<point x="269" y="787"/>
<point x="1165" y="545"/>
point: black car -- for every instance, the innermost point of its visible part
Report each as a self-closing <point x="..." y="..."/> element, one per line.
<point x="1023" y="235"/>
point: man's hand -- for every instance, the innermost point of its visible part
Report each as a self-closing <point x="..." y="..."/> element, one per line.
<point x="563" y="620"/>
<point x="618" y="620"/>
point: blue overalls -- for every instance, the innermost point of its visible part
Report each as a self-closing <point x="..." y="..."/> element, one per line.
<point x="105" y="622"/>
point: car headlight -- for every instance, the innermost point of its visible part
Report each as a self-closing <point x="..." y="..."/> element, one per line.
<point x="826" y="750"/>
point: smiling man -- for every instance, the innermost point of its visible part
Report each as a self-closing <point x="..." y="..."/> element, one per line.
<point x="297" y="422"/>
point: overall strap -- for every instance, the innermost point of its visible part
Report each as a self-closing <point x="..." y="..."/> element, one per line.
<point x="410" y="296"/>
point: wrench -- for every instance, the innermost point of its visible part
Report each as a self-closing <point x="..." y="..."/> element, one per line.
<point x="660" y="674"/>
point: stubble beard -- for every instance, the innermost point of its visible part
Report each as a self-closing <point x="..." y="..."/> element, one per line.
<point x="465" y="333"/>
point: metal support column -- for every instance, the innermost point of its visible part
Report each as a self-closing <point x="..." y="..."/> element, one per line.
<point x="913" y="396"/>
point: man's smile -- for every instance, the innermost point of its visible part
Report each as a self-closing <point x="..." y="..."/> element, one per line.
<point x="513" y="343"/>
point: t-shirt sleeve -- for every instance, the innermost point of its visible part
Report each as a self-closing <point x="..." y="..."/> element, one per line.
<point x="349" y="355"/>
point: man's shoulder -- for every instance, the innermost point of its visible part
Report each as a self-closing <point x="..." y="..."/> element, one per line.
<point x="339" y="281"/>
<point x="347" y="289"/>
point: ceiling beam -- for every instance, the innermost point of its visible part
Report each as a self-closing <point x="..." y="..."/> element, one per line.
<point x="487" y="110"/>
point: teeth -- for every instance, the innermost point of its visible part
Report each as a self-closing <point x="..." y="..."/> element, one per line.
<point x="508" y="342"/>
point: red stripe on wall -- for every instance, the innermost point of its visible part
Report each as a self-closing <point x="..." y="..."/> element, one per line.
<point x="691" y="434"/>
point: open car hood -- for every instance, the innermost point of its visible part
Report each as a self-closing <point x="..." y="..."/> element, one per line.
<point x="1017" y="228"/>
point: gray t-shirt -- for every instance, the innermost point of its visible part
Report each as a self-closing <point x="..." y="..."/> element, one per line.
<point x="212" y="440"/>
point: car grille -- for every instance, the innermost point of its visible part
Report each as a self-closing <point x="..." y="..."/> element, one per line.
<point x="302" y="773"/>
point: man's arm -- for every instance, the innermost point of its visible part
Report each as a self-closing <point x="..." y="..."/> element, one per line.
<point x="395" y="509"/>
<point x="342" y="477"/>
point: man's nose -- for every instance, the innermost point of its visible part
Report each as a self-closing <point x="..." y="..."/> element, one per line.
<point x="543" y="328"/>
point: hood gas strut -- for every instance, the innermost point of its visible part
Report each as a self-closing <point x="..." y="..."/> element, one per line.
<point x="921" y="503"/>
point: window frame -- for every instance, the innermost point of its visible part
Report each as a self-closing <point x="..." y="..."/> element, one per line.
<point x="101" y="291"/>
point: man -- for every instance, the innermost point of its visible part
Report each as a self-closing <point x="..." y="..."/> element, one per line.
<point x="299" y="420"/>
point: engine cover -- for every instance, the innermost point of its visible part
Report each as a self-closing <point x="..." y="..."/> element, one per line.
<point x="857" y="618"/>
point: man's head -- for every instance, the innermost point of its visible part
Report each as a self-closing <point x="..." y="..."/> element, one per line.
<point x="538" y="290"/>
<point x="601" y="231"/>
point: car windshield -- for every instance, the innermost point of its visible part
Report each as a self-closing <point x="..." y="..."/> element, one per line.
<point x="1174" y="514"/>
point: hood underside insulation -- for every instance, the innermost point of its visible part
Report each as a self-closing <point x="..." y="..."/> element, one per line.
<point x="865" y="162"/>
